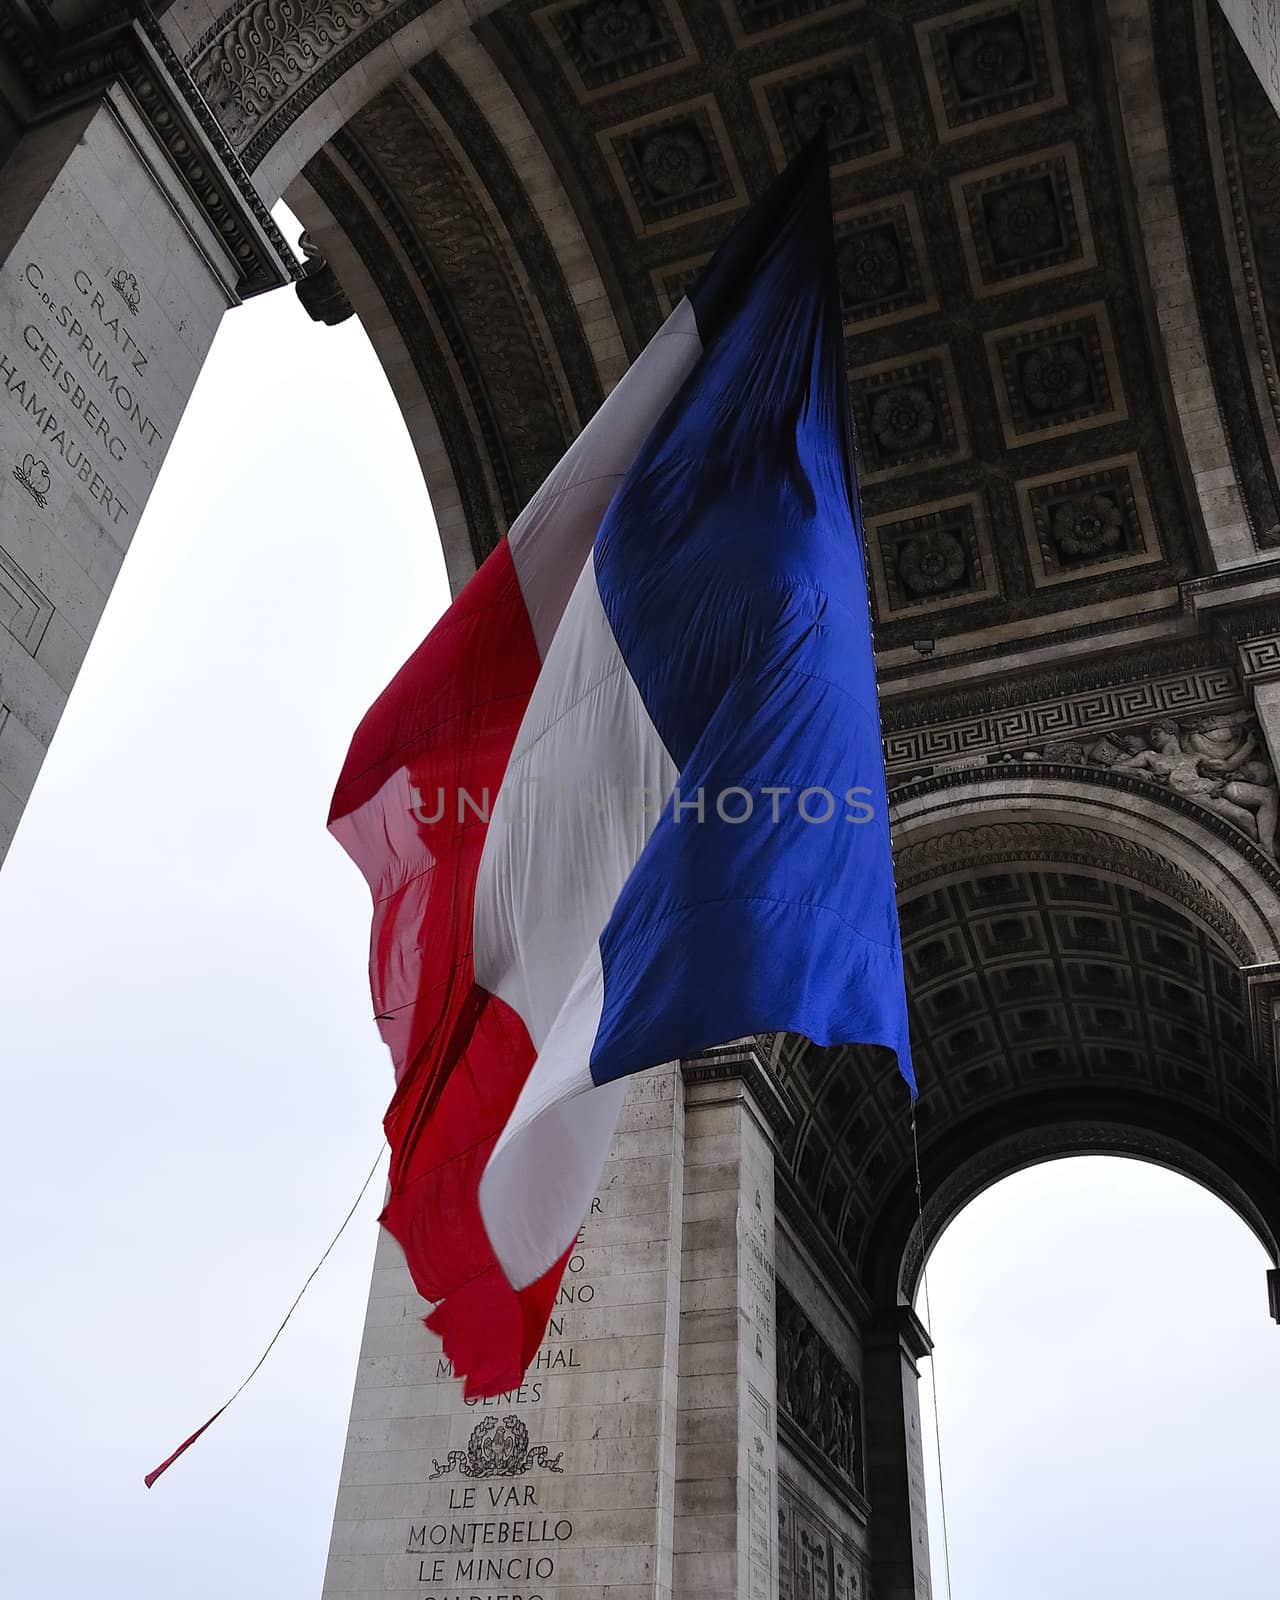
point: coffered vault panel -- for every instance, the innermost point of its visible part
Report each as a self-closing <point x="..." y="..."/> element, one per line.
<point x="1040" y="996"/>
<point x="1013" y="418"/>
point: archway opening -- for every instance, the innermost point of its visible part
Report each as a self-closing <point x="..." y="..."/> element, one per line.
<point x="1108" y="1390"/>
<point x="195" y="1080"/>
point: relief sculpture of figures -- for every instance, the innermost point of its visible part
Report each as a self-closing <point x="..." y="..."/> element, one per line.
<point x="817" y="1391"/>
<point x="1215" y="761"/>
<point x="1210" y="762"/>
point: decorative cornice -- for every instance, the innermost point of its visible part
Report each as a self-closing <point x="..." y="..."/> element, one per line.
<point x="134" y="51"/>
<point x="1199" y="594"/>
<point x="1262" y="984"/>
<point x="256" y="55"/>
<point x="1240" y="194"/>
<point x="264" y="62"/>
<point x="1011" y="715"/>
<point x="1132" y="667"/>
<point x="744" y="1060"/>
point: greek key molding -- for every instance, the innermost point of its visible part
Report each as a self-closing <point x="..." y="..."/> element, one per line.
<point x="1260" y="658"/>
<point x="1093" y="710"/>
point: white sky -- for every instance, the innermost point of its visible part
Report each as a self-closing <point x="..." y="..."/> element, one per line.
<point x="193" y="1093"/>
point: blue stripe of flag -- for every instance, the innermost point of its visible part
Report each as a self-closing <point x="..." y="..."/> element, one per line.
<point x="730" y="566"/>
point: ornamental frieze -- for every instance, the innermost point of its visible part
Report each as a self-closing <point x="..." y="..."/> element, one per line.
<point x="978" y="725"/>
<point x="817" y="1392"/>
<point x="256" y="55"/>
<point x="1217" y="761"/>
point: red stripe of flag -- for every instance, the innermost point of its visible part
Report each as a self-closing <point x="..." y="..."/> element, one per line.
<point x="446" y="723"/>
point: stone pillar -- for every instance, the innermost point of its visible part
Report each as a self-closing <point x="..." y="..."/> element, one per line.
<point x="895" y="1460"/>
<point x="125" y="233"/>
<point x="1257" y="26"/>
<point x="1266" y="702"/>
<point x="727" y="1441"/>
<point x="582" y="1503"/>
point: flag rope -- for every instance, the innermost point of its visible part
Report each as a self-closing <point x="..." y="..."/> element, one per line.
<point x="933" y="1360"/>
<point x="851" y="431"/>
<point x="187" y="1443"/>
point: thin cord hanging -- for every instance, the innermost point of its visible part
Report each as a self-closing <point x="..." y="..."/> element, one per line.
<point x="187" y="1443"/>
<point x="933" y="1364"/>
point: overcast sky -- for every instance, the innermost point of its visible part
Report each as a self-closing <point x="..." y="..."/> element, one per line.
<point x="193" y="1091"/>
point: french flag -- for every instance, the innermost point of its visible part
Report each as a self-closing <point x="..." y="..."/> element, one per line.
<point x="627" y="801"/>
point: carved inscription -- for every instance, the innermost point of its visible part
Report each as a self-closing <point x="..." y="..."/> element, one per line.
<point x="758" y="1497"/>
<point x="77" y="375"/>
<point x="499" y="1536"/>
<point x="755" y="1251"/>
<point x="817" y="1561"/>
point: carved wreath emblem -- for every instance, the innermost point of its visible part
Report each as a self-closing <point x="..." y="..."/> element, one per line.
<point x="33" y="475"/>
<point x="498" y="1449"/>
<point x="126" y="286"/>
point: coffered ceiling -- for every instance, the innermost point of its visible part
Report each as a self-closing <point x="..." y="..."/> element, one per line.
<point x="1019" y="447"/>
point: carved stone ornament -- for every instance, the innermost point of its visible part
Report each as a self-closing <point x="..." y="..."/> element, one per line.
<point x="870" y="265"/>
<point x="1087" y="527"/>
<point x="674" y="162"/>
<point x="903" y="419"/>
<point x="832" y="102"/>
<point x="990" y="59"/>
<point x="256" y="55"/>
<point x="33" y="475"/>
<point x="817" y="1392"/>
<point x="126" y="286"/>
<point x="498" y="1449"/>
<point x="931" y="564"/>
<point x="612" y="30"/>
<point x="1217" y="761"/>
<point x="1055" y="377"/>
<point x="322" y="296"/>
<point x="63" y="63"/>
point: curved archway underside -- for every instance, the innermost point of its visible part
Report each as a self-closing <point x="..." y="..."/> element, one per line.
<point x="1055" y="224"/>
<point x="1053" y="1010"/>
<point x="1022" y="465"/>
<point x="529" y="198"/>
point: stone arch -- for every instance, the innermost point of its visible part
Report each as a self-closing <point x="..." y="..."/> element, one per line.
<point x="983" y="1169"/>
<point x="283" y="80"/>
<point x="1145" y="859"/>
<point x="1173" y="846"/>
